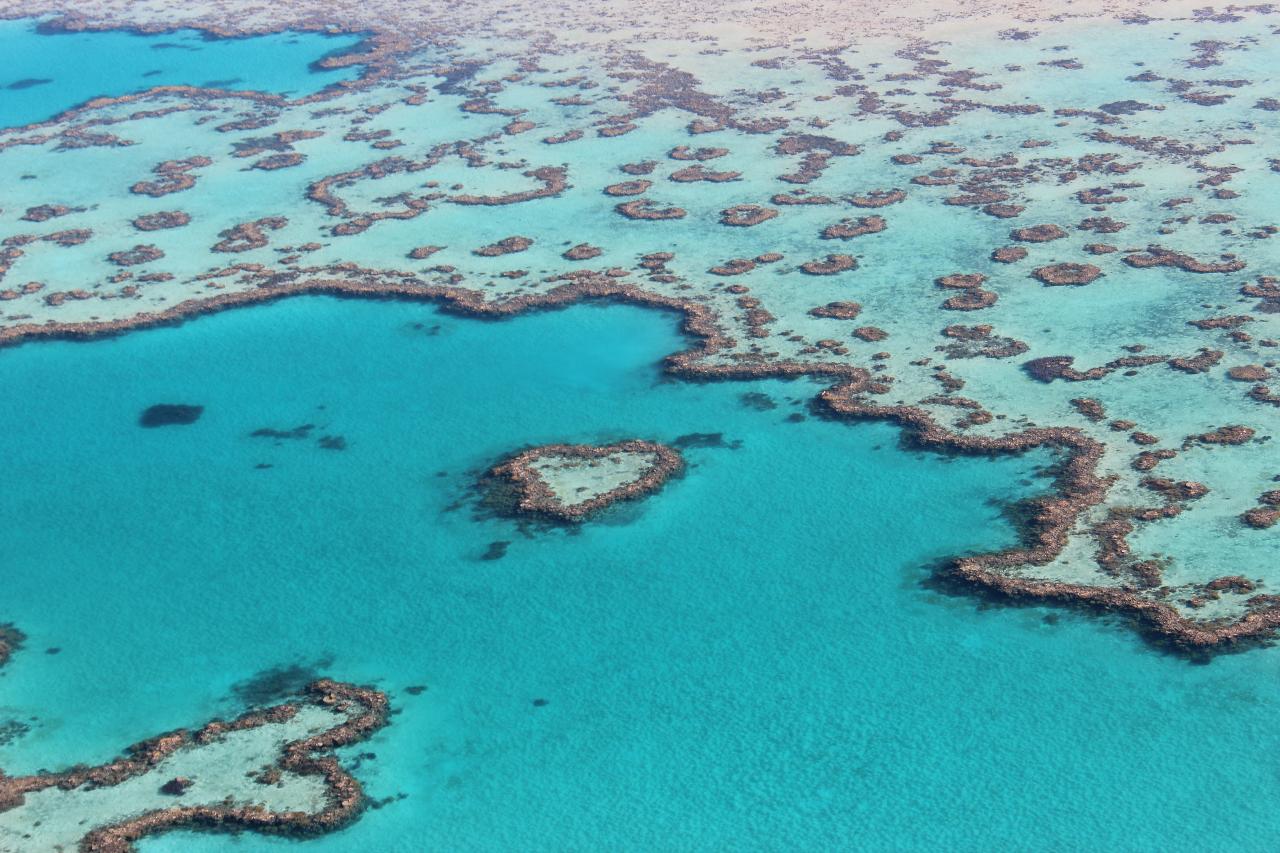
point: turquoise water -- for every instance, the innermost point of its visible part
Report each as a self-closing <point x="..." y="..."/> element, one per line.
<point x="747" y="660"/>
<point x="42" y="75"/>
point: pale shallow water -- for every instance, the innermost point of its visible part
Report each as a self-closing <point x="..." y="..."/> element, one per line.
<point x="746" y="660"/>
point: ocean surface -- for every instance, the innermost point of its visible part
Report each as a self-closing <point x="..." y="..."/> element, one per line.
<point x="750" y="659"/>
<point x="746" y="660"/>
<point x="42" y="75"/>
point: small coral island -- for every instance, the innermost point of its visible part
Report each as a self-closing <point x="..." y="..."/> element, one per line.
<point x="271" y="771"/>
<point x="572" y="482"/>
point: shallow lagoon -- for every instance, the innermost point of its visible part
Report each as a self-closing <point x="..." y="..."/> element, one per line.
<point x="46" y="74"/>
<point x="746" y="660"/>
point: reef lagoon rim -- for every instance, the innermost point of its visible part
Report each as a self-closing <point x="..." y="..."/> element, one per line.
<point x="693" y="669"/>
<point x="1044" y="522"/>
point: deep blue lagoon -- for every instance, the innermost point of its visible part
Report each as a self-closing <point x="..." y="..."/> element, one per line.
<point x="42" y="75"/>
<point x="747" y="659"/>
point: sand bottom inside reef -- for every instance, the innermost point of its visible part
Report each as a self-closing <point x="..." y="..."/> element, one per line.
<point x="53" y="820"/>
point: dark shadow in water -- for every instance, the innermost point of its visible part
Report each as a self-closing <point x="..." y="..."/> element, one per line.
<point x="279" y="682"/>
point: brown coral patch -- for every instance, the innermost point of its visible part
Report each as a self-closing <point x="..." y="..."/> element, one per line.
<point x="1067" y="274"/>
<point x="1260" y="517"/>
<point x="554" y="180"/>
<point x="698" y="172"/>
<point x="837" y="310"/>
<point x="961" y="280"/>
<point x="847" y="229"/>
<point x="1038" y="233"/>
<point x="567" y="136"/>
<point x="1008" y="254"/>
<point x="283" y="160"/>
<point x="582" y="252"/>
<point x="878" y="198"/>
<point x="746" y="215"/>
<point x="249" y="235"/>
<point x="1155" y="256"/>
<point x="800" y="197"/>
<point x="684" y="152"/>
<point x="175" y="176"/>
<point x="626" y="188"/>
<point x="70" y="237"/>
<point x="1090" y="408"/>
<point x="644" y="209"/>
<point x="973" y="299"/>
<point x="830" y="265"/>
<point x="1198" y="363"/>
<point x="871" y="334"/>
<point x="734" y="266"/>
<point x="817" y="152"/>
<point x="11" y="640"/>
<point x="1227" y="435"/>
<point x="140" y="254"/>
<point x="1249" y="373"/>
<point x="505" y="246"/>
<point x="162" y="220"/>
<point x="1003" y="211"/>
<point x="45" y="212"/>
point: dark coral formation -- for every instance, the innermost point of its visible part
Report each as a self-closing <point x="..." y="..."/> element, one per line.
<point x="817" y="152"/>
<point x="11" y="640"/>
<point x="505" y="246"/>
<point x="170" y="414"/>
<point x="248" y="235"/>
<point x="972" y="297"/>
<point x="625" y="188"/>
<point x="878" y="198"/>
<point x="1154" y="256"/>
<point x="1067" y="274"/>
<point x="847" y="229"/>
<point x="582" y="252"/>
<point x="745" y="215"/>
<point x="174" y="176"/>
<point x="837" y="310"/>
<point x="1038" y="233"/>
<point x="830" y="265"/>
<point x="643" y="209"/>
<point x="161" y="220"/>
<point x="45" y="212"/>
<point x="140" y="254"/>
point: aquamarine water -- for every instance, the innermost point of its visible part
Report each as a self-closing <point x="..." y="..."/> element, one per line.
<point x="42" y="75"/>
<point x="747" y="660"/>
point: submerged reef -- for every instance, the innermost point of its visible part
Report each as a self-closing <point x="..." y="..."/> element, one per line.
<point x="468" y="143"/>
<point x="170" y="414"/>
<point x="572" y="482"/>
<point x="271" y="771"/>
<point x="11" y="640"/>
